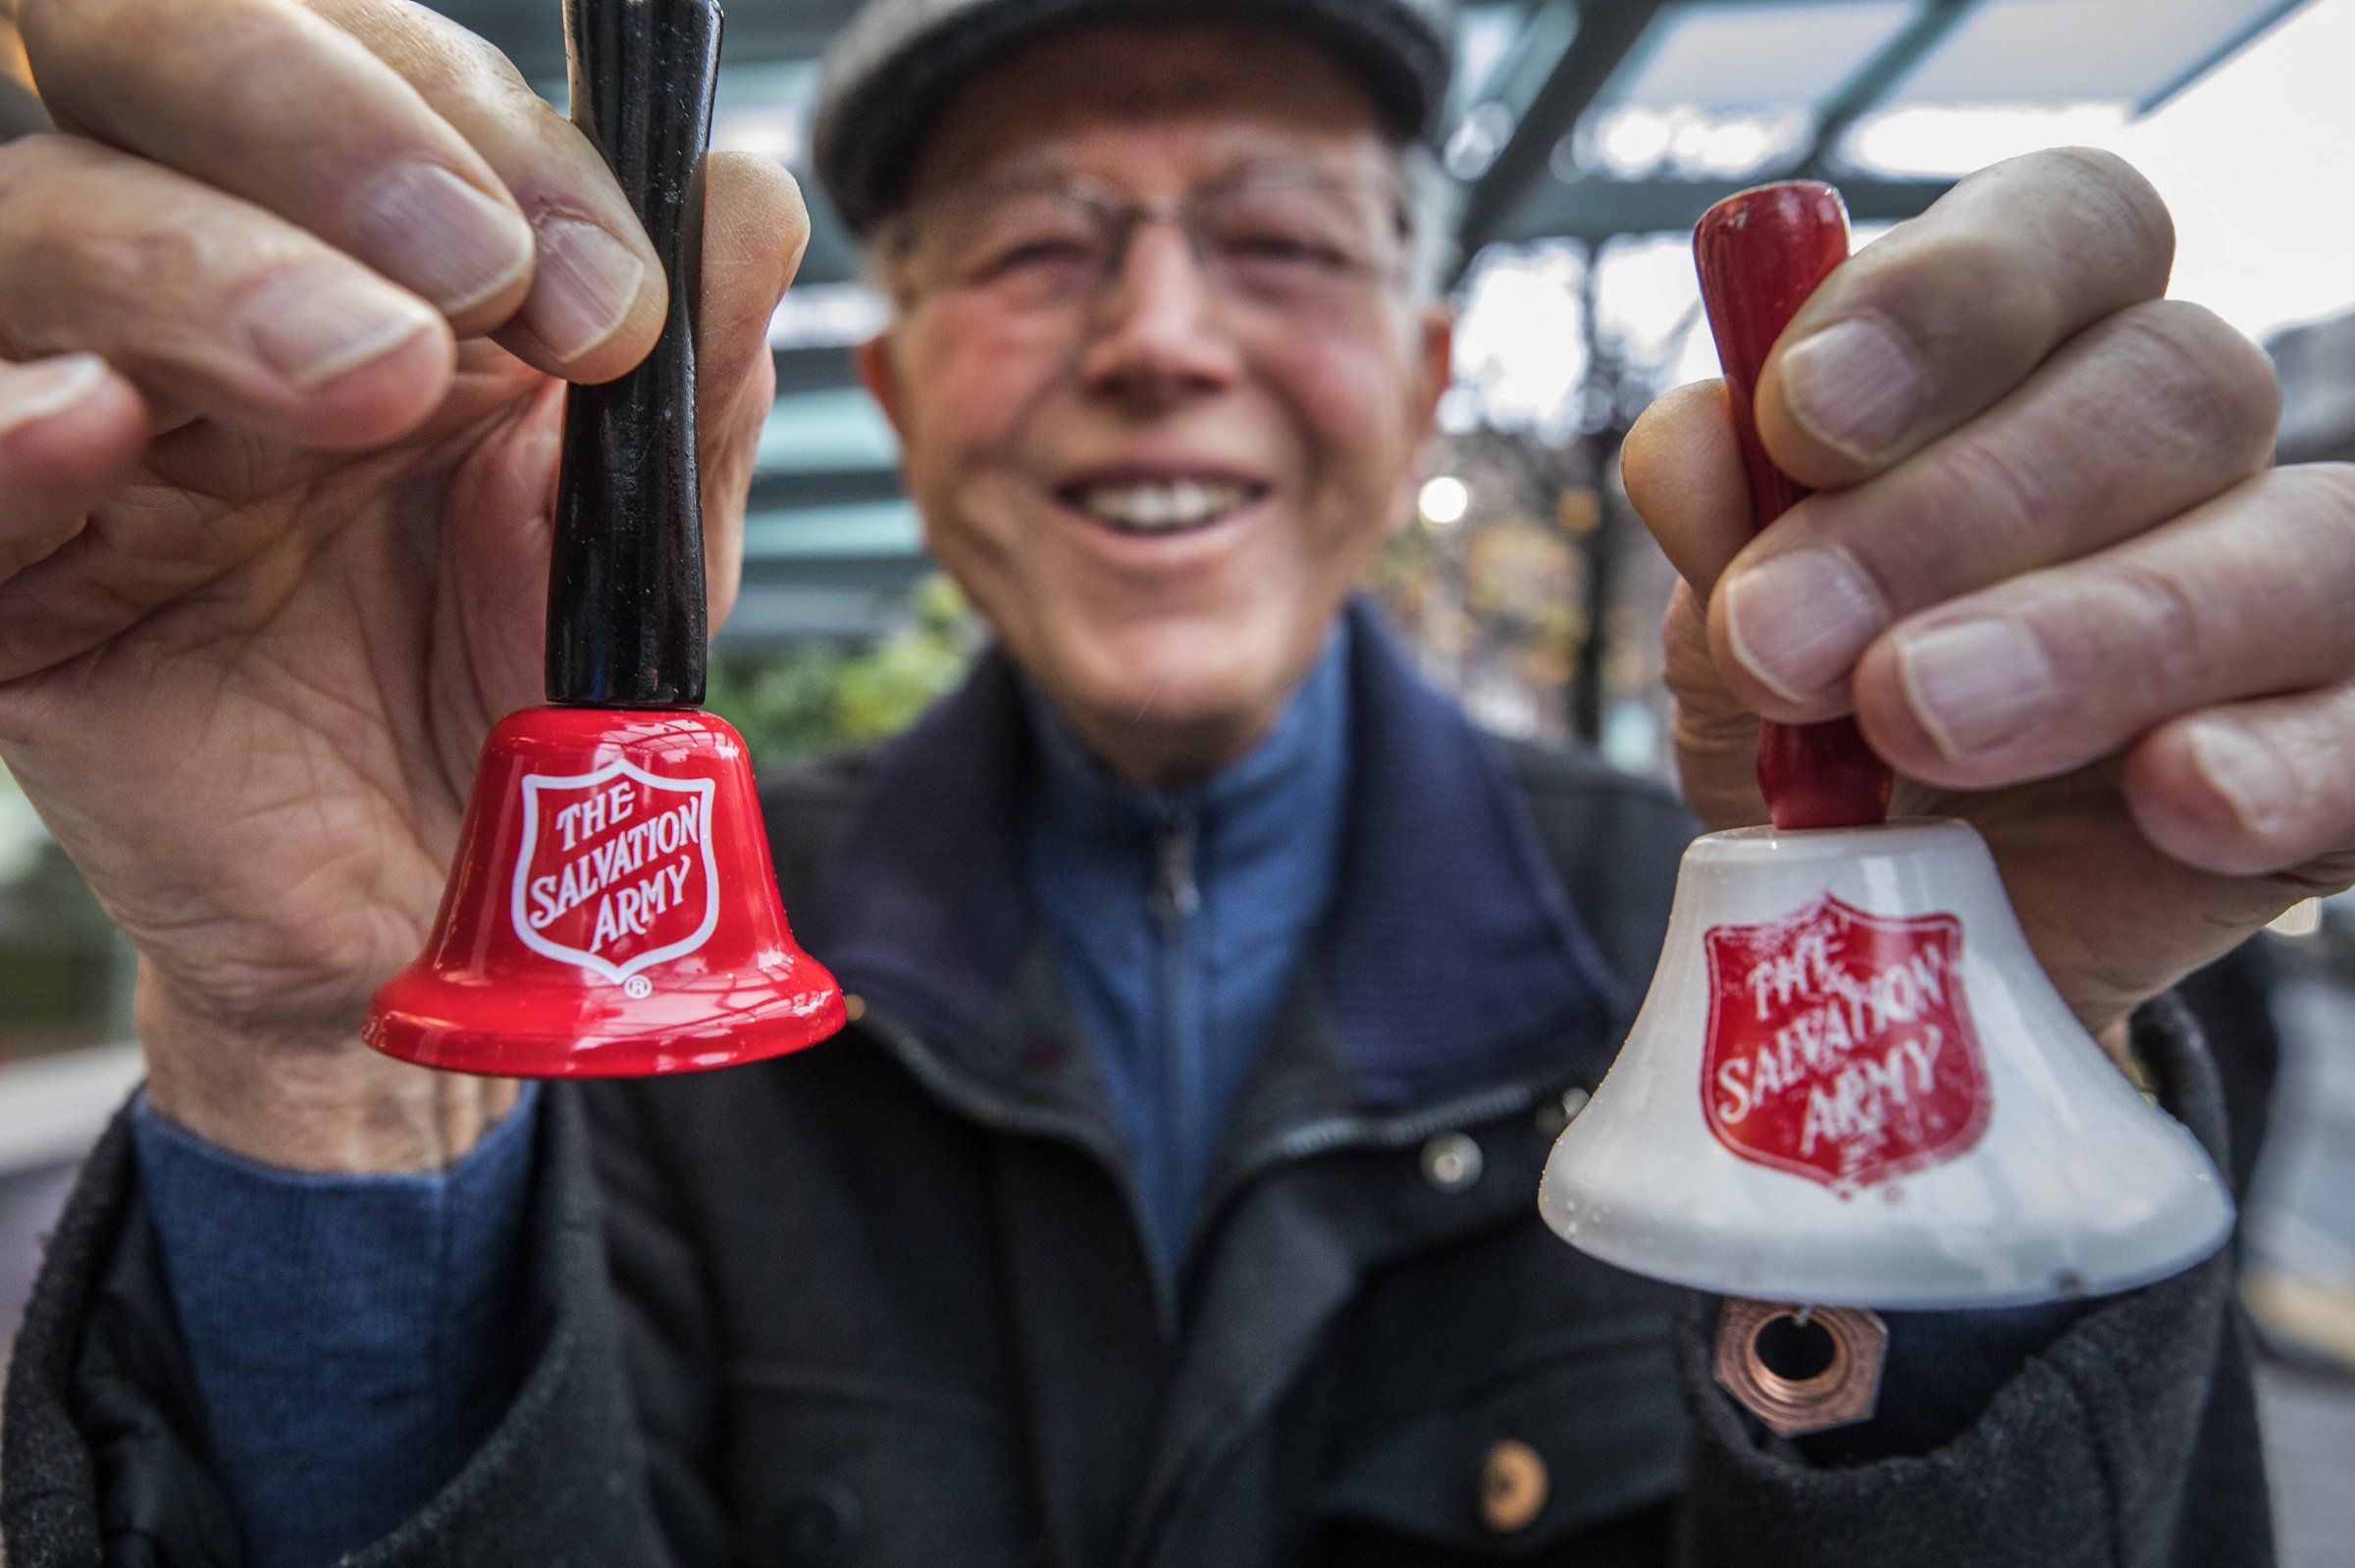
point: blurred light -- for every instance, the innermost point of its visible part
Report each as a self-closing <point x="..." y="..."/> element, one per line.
<point x="1637" y="141"/>
<point x="1445" y="500"/>
<point x="828" y="316"/>
<point x="1745" y="57"/>
<point x="1521" y="341"/>
<point x="1478" y="140"/>
<point x="1459" y="411"/>
<point x="1631" y="736"/>
<point x="2299" y="919"/>
<point x="1934" y="140"/>
<point x="773" y="133"/>
<point x="1633" y="142"/>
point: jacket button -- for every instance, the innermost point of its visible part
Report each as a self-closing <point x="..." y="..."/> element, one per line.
<point x="820" y="1525"/>
<point x="1452" y="1162"/>
<point x="1512" y="1486"/>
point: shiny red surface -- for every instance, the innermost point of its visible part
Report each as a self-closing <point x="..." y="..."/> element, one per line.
<point x="734" y="988"/>
<point x="1761" y="255"/>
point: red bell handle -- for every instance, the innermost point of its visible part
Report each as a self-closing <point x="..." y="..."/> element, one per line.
<point x="1761" y="255"/>
<point x="626" y="594"/>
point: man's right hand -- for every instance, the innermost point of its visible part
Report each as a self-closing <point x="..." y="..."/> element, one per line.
<point x="285" y="313"/>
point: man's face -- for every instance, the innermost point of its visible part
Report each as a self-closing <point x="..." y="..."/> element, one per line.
<point x="1160" y="491"/>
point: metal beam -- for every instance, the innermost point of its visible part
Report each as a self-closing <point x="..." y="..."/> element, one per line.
<point x="808" y="370"/>
<point x="531" y="32"/>
<point x="832" y="487"/>
<point x="2217" y="56"/>
<point x="1608" y="33"/>
<point x="1593" y="211"/>
<point x="1873" y="81"/>
<point x="1536" y="50"/>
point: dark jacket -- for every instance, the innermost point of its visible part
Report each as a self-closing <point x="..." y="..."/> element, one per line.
<point x="887" y="1303"/>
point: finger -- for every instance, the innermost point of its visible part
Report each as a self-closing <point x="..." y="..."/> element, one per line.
<point x="268" y="101"/>
<point x="1717" y="737"/>
<point x="1683" y="472"/>
<point x="2244" y="597"/>
<point x="755" y="231"/>
<point x="2254" y="788"/>
<point x="2137" y="420"/>
<point x="1939" y="319"/>
<point x="206" y="301"/>
<point x="70" y="430"/>
<point x="596" y="294"/>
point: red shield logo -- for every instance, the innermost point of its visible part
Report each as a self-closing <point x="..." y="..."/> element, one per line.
<point x="615" y="872"/>
<point x="1840" y="1047"/>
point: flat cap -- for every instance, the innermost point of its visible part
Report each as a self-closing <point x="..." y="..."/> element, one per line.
<point x="893" y="69"/>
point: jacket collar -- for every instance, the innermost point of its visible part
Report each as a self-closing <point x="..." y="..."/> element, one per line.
<point x="1452" y="960"/>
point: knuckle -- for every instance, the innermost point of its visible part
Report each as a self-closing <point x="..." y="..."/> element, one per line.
<point x="2220" y="387"/>
<point x="435" y="55"/>
<point x="135" y="264"/>
<point x="2316" y="534"/>
<point x="2117" y="197"/>
<point x="49" y="27"/>
<point x="1996" y="484"/>
<point x="23" y="165"/>
<point x="2327" y="488"/>
<point x="1935" y="286"/>
<point x="2173" y="641"/>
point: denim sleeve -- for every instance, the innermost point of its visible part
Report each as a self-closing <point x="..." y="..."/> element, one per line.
<point x="353" y="1338"/>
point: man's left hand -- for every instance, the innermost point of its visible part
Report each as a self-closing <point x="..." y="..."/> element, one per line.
<point x="2052" y="570"/>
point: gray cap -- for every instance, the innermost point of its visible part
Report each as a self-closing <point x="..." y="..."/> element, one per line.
<point x="892" y="70"/>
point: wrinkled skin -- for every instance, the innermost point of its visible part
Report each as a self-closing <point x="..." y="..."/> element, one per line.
<point x="271" y="561"/>
<point x="257" y="611"/>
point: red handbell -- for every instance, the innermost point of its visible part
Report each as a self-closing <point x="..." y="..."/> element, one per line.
<point x="611" y="911"/>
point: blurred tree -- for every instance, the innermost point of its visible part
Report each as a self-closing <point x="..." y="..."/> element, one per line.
<point x="818" y="698"/>
<point x="62" y="968"/>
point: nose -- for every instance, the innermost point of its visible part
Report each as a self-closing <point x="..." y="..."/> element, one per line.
<point x="1159" y="336"/>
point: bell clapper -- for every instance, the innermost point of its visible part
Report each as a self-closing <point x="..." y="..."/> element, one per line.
<point x="1800" y="1367"/>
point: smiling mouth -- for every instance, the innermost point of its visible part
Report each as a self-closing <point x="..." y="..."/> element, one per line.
<point x="1155" y="507"/>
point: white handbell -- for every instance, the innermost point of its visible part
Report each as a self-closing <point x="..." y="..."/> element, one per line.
<point x="1851" y="1084"/>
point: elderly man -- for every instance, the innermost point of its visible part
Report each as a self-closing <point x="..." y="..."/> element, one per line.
<point x="1171" y="1202"/>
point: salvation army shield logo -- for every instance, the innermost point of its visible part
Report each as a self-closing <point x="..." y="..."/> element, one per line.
<point x="1840" y="1046"/>
<point x="615" y="871"/>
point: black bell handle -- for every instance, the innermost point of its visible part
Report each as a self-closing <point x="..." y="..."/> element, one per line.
<point x="626" y="618"/>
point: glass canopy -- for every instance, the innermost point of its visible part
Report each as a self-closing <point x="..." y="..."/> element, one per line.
<point x="1578" y="121"/>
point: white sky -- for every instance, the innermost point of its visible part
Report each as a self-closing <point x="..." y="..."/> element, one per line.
<point x="2257" y="162"/>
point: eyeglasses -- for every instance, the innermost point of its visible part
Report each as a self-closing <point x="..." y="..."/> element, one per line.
<point x="1278" y="239"/>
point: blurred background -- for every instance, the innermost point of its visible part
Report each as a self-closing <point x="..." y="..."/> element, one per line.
<point x="1588" y="136"/>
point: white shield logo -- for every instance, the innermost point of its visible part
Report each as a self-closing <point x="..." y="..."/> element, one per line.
<point x="615" y="874"/>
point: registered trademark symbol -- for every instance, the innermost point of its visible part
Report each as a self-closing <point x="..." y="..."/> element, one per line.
<point x="638" y="988"/>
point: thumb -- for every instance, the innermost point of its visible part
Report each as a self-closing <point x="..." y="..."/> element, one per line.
<point x="755" y="231"/>
<point x="1683" y="471"/>
<point x="1717" y="737"/>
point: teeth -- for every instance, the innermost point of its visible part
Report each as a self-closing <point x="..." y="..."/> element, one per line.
<point x="1160" y="509"/>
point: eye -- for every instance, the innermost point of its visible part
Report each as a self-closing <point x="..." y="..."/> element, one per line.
<point x="1030" y="254"/>
<point x="1285" y="249"/>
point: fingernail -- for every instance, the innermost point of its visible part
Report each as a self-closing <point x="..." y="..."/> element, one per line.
<point x="313" y="325"/>
<point x="47" y="388"/>
<point x="432" y="231"/>
<point x="1975" y="684"/>
<point x="586" y="283"/>
<point x="1853" y="385"/>
<point x="1797" y="621"/>
<point x="2245" y="772"/>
